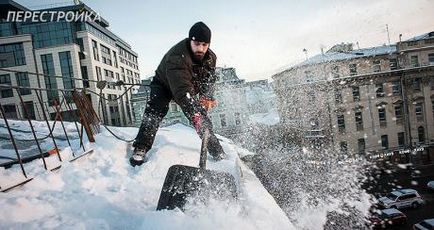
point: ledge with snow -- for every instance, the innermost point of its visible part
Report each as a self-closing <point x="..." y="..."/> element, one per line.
<point x="102" y="191"/>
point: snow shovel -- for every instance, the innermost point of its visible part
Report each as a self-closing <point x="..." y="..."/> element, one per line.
<point x="185" y="183"/>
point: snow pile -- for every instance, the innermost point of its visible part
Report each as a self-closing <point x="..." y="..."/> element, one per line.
<point x="102" y="191"/>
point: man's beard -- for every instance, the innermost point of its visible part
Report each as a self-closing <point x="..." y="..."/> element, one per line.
<point x="199" y="56"/>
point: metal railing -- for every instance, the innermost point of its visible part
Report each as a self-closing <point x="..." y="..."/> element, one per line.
<point x="74" y="102"/>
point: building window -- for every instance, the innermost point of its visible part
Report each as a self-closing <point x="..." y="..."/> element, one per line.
<point x="98" y="73"/>
<point x="29" y="110"/>
<point x="382" y="117"/>
<point x="50" y="80"/>
<point x="67" y="71"/>
<point x="431" y="59"/>
<point x="431" y="82"/>
<point x="173" y="108"/>
<point x="432" y="105"/>
<point x="344" y="147"/>
<point x="6" y="30"/>
<point x="23" y="80"/>
<point x="99" y="34"/>
<point x="237" y="119"/>
<point x="338" y="96"/>
<point x="85" y="76"/>
<point x="384" y="142"/>
<point x="396" y="88"/>
<point x="421" y="134"/>
<point x="115" y="59"/>
<point x="356" y="93"/>
<point x="419" y="111"/>
<point x="80" y="53"/>
<point x="6" y="79"/>
<point x="49" y="33"/>
<point x="376" y="66"/>
<point x="414" y="61"/>
<point x="223" y="120"/>
<point x="106" y="55"/>
<point x="10" y="111"/>
<point x="314" y="124"/>
<point x="393" y="63"/>
<point x="341" y="123"/>
<point x="379" y="90"/>
<point x="12" y="55"/>
<point x="353" y="69"/>
<point x="398" y="114"/>
<point x="416" y="84"/>
<point x="335" y="71"/>
<point x="359" y="121"/>
<point x="361" y="145"/>
<point x="309" y="77"/>
<point x="412" y="43"/>
<point x="95" y="50"/>
<point x="108" y="75"/>
<point x="401" y="139"/>
<point x="118" y="78"/>
<point x="429" y="41"/>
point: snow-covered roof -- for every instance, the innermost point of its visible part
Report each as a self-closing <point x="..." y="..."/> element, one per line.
<point x="339" y="56"/>
<point x="421" y="37"/>
<point x="102" y="191"/>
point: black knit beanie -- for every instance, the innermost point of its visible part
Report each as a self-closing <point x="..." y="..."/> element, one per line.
<point x="200" y="32"/>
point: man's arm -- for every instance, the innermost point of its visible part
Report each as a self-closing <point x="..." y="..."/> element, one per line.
<point x="179" y="78"/>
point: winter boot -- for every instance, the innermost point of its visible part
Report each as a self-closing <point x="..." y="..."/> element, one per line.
<point x="138" y="157"/>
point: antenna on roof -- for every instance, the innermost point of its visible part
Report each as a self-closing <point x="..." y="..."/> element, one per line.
<point x="305" y="52"/>
<point x="388" y="35"/>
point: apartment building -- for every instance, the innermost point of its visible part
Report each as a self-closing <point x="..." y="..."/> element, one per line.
<point x="374" y="101"/>
<point x="71" y="49"/>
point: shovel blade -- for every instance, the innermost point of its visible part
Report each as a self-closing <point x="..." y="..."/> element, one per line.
<point x="185" y="182"/>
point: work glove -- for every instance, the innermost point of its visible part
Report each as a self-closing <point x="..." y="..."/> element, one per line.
<point x="207" y="103"/>
<point x="201" y="122"/>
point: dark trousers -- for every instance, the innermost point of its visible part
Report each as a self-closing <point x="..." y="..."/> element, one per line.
<point x="158" y="106"/>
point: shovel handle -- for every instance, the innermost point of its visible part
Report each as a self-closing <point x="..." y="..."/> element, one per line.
<point x="204" y="149"/>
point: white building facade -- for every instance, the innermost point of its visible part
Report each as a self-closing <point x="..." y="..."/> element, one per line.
<point x="85" y="50"/>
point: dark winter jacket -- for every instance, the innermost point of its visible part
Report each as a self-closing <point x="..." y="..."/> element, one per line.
<point x="182" y="74"/>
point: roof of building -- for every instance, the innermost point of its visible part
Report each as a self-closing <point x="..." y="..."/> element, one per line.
<point x="422" y="37"/>
<point x="333" y="56"/>
<point x="79" y="7"/>
<point x="9" y="5"/>
<point x="339" y="56"/>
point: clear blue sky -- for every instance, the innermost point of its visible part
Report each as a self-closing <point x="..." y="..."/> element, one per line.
<point x="258" y="38"/>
